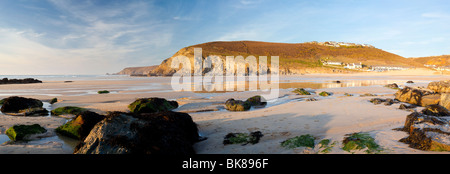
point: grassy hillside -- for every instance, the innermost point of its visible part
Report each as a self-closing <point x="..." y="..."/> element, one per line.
<point x="296" y="57"/>
<point x="443" y="60"/>
<point x="305" y="53"/>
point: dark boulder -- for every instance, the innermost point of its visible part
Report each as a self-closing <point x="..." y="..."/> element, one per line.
<point x="148" y="133"/>
<point x="256" y="101"/>
<point x="23" y="106"/>
<point x="242" y="138"/>
<point x="80" y="126"/>
<point x="151" y="105"/>
<point x="436" y="110"/>
<point x="19" y="81"/>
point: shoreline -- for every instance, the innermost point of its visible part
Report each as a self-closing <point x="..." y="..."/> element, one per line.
<point x="328" y="118"/>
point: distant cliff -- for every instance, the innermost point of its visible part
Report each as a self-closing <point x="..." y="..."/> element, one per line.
<point x="137" y="70"/>
<point x="294" y="58"/>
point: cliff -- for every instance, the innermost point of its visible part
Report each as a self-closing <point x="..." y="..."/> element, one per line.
<point x="294" y="58"/>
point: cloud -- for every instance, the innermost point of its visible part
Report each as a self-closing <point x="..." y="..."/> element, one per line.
<point x="84" y="38"/>
<point x="437" y="15"/>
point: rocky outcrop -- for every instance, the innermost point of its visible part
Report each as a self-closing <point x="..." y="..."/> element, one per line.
<point x="20" y="106"/>
<point x="426" y="132"/>
<point x="415" y="96"/>
<point x="151" y="105"/>
<point x="147" y="133"/>
<point x="133" y="71"/>
<point x="440" y="86"/>
<point x="19" y="81"/>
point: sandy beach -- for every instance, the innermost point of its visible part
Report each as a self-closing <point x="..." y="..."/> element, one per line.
<point x="288" y="116"/>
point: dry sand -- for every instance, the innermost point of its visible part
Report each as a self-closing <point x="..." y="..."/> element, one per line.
<point x="328" y="118"/>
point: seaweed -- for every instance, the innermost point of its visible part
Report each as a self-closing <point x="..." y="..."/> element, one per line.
<point x="242" y="138"/>
<point x="360" y="141"/>
<point x="299" y="141"/>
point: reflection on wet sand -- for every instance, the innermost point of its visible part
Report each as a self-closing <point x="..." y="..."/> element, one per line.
<point x="292" y="84"/>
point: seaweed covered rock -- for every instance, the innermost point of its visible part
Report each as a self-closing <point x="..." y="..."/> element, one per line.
<point x="80" y="126"/>
<point x="21" y="106"/>
<point x="73" y="110"/>
<point x="21" y="132"/>
<point x="324" y="93"/>
<point x="435" y="110"/>
<point x="237" y="105"/>
<point x="148" y="133"/>
<point x="152" y="105"/>
<point x="301" y="91"/>
<point x="256" y="101"/>
<point x="361" y="141"/>
<point x="429" y="133"/>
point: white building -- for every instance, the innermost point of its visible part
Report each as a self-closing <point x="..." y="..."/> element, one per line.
<point x="333" y="63"/>
<point x="354" y="66"/>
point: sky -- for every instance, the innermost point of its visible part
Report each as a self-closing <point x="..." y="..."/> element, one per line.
<point x="43" y="37"/>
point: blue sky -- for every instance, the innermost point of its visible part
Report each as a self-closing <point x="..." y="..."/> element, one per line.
<point x="100" y="36"/>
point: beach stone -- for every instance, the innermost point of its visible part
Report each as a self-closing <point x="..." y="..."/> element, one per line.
<point x="147" y="133"/>
<point x="21" y="132"/>
<point x="257" y="101"/>
<point x="151" y="105"/>
<point x="440" y="86"/>
<point x="80" y="126"/>
<point x="23" y="106"/>
<point x="429" y="133"/>
<point x="237" y="105"/>
<point x="409" y="81"/>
